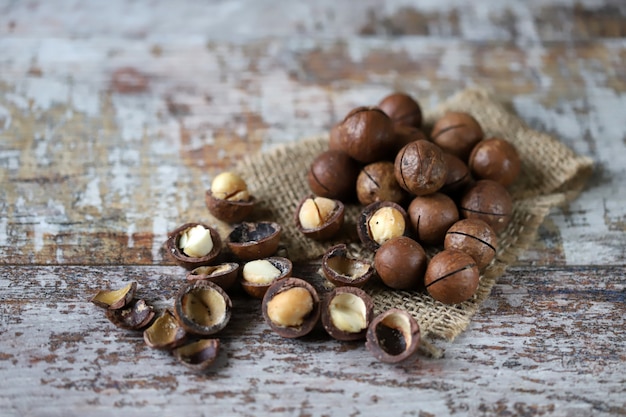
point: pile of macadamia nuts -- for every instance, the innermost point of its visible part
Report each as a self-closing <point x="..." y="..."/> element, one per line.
<point x="442" y="192"/>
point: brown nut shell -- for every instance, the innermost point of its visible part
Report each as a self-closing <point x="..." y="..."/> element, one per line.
<point x="115" y="299"/>
<point x="229" y="211"/>
<point x="365" y="134"/>
<point x="343" y="270"/>
<point x="202" y="308"/>
<point x="258" y="290"/>
<point x="420" y="168"/>
<point x="404" y="135"/>
<point x="452" y="277"/>
<point x="457" y="178"/>
<point x="134" y="316"/>
<point x="248" y="241"/>
<point x="431" y="217"/>
<point x="489" y="201"/>
<point x="474" y="237"/>
<point x="402" y="109"/>
<point x="401" y="264"/>
<point x="189" y="262"/>
<point x="377" y="182"/>
<point x="165" y="332"/>
<point x="347" y="313"/>
<point x="393" y="337"/>
<point x="309" y="321"/>
<point x="457" y="133"/>
<point x="332" y="174"/>
<point x="199" y="355"/>
<point x="225" y="275"/>
<point x="330" y="228"/>
<point x="495" y="159"/>
<point x="364" y="231"/>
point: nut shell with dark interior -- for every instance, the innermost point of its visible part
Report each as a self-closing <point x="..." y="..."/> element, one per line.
<point x="291" y="307"/>
<point x="495" y="159"/>
<point x="332" y="174"/>
<point x="452" y="276"/>
<point x="202" y="308"/>
<point x="431" y="217"/>
<point x="401" y="264"/>
<point x="199" y="355"/>
<point x="474" y="237"/>
<point x="393" y="337"/>
<point x="457" y="133"/>
<point x="489" y="201"/>
<point x="258" y="286"/>
<point x="381" y="221"/>
<point x="165" y="332"/>
<point x="189" y="262"/>
<point x="377" y="182"/>
<point x="224" y="275"/>
<point x="343" y="270"/>
<point x="115" y="299"/>
<point x="346" y="313"/>
<point x="329" y="226"/>
<point x="133" y="316"/>
<point x="420" y="168"/>
<point x="402" y="109"/>
<point x="248" y="241"/>
<point x="365" y="134"/>
<point x="229" y="211"/>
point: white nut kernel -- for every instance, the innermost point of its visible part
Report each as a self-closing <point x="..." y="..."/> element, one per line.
<point x="229" y="186"/>
<point x="348" y="313"/>
<point x="196" y="241"/>
<point x="314" y="212"/>
<point x="260" y="271"/>
<point x="386" y="223"/>
<point x="289" y="308"/>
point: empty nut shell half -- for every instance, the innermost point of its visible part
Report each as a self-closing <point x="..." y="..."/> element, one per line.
<point x="134" y="316"/>
<point x="257" y="276"/>
<point x="224" y="275"/>
<point x="165" y="332"/>
<point x="393" y="336"/>
<point x="191" y="262"/>
<point x="202" y="308"/>
<point x="291" y="307"/>
<point x="328" y="227"/>
<point x="381" y="221"/>
<point x="343" y="270"/>
<point x="229" y="211"/>
<point x="250" y="241"/>
<point x="347" y="313"/>
<point x="199" y="355"/>
<point x="115" y="299"/>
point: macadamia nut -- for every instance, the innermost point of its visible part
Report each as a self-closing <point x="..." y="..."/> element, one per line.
<point x="260" y="271"/>
<point x="348" y="313"/>
<point x="230" y="186"/>
<point x="315" y="212"/>
<point x="196" y="242"/>
<point x="386" y="223"/>
<point x="289" y="308"/>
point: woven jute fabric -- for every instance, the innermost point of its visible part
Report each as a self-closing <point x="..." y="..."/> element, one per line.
<point x="551" y="175"/>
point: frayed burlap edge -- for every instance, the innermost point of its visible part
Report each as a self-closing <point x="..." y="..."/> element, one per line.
<point x="552" y="174"/>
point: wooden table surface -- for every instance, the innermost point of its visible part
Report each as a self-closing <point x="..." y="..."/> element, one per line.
<point x="115" y="116"/>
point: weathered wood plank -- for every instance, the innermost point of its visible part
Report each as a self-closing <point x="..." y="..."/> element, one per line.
<point x="549" y="341"/>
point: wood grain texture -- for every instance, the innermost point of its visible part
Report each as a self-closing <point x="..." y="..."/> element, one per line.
<point x="114" y="118"/>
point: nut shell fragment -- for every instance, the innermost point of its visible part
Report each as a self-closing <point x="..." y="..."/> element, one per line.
<point x="134" y="316"/>
<point x="393" y="336"/>
<point x="250" y="241"/>
<point x="258" y="289"/>
<point x="343" y="270"/>
<point x="115" y="299"/>
<point x="224" y="275"/>
<point x="199" y="355"/>
<point x="165" y="332"/>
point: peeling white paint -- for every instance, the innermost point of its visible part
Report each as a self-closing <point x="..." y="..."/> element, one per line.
<point x="91" y="196"/>
<point x="5" y="118"/>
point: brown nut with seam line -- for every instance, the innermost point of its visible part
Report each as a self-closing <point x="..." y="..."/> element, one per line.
<point x="489" y="201"/>
<point x="420" y="168"/>
<point x="495" y="159"/>
<point x="431" y="217"/>
<point x="402" y="109"/>
<point x="377" y="182"/>
<point x="474" y="237"/>
<point x="401" y="264"/>
<point x="457" y="133"/>
<point x="452" y="276"/>
<point x="365" y="134"/>
<point x="332" y="174"/>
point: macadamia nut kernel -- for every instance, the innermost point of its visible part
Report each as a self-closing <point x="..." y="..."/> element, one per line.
<point x="315" y="212"/>
<point x="196" y="242"/>
<point x="386" y="223"/>
<point x="260" y="271"/>
<point x="230" y="186"/>
<point x="348" y="312"/>
<point x="289" y="308"/>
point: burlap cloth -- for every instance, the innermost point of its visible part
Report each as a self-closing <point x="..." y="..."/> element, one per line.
<point x="551" y="175"/>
